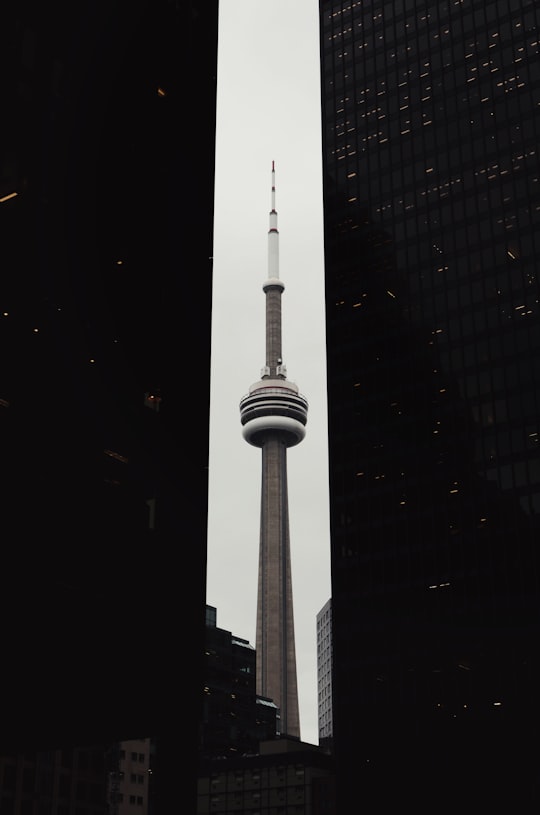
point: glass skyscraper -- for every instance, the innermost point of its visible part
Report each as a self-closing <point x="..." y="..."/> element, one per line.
<point x="106" y="216"/>
<point x="431" y="125"/>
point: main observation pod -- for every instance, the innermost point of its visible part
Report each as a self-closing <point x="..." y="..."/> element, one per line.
<point x="273" y="407"/>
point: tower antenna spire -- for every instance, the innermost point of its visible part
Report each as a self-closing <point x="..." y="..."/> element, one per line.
<point x="273" y="417"/>
<point x="273" y="233"/>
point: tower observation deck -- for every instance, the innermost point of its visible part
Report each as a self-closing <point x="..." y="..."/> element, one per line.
<point x="273" y="417"/>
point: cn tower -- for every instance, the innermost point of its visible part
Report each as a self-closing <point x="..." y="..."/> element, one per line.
<point x="273" y="417"/>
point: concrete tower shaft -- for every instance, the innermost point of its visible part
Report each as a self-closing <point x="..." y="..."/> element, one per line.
<point x="274" y="362"/>
<point x="275" y="642"/>
<point x="273" y="417"/>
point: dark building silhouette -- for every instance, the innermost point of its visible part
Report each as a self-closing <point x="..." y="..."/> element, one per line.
<point x="431" y="212"/>
<point x="79" y="779"/>
<point x="286" y="775"/>
<point x="59" y="781"/>
<point x="106" y="217"/>
<point x="246" y="764"/>
<point x="235" y="719"/>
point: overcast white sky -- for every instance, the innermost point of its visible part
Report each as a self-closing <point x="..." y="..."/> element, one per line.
<point x="268" y="109"/>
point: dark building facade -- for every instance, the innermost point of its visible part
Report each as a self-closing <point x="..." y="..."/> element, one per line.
<point x="59" y="781"/>
<point x="285" y="776"/>
<point x="235" y="719"/>
<point x="106" y="212"/>
<point x="430" y="122"/>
